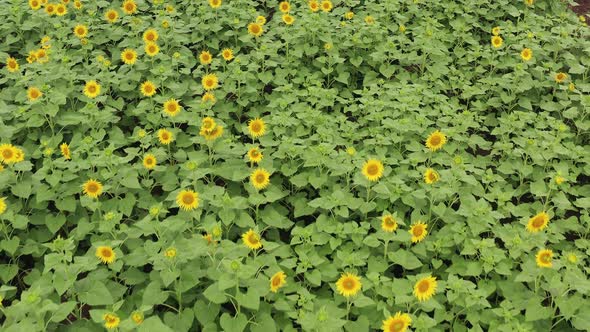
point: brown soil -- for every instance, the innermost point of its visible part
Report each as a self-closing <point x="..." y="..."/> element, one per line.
<point x="582" y="8"/>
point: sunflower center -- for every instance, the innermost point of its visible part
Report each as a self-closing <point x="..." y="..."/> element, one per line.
<point x="538" y="222"/>
<point x="209" y="82"/>
<point x="372" y="169"/>
<point x="60" y="9"/>
<point x="112" y="16"/>
<point x="165" y="137"/>
<point x="7" y="154"/>
<point x="260" y="178"/>
<point x="435" y="140"/>
<point x="423" y="286"/>
<point x="188" y="199"/>
<point x="152" y="48"/>
<point x="432" y="176"/>
<point x="92" y="188"/>
<point x="34" y="94"/>
<point x="149" y="161"/>
<point x="348" y="284"/>
<point x="396" y="326"/>
<point x="252" y="238"/>
<point x="418" y="230"/>
<point x="171" y="108"/>
<point x="256" y="127"/>
<point x="12" y="64"/>
<point x="106" y="253"/>
<point x="150" y="37"/>
<point x="92" y="89"/>
<point x="129" y="7"/>
<point x="148" y="88"/>
<point x="276" y="281"/>
<point x="255" y="29"/>
<point x="389" y="221"/>
<point x="129" y="56"/>
<point x="254" y="153"/>
<point x="80" y="31"/>
<point x="545" y="258"/>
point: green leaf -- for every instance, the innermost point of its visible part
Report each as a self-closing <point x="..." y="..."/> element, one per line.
<point x="233" y="324"/>
<point x="405" y="258"/>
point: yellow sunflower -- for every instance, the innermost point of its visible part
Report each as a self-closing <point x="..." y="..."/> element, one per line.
<point x="388" y="223"/>
<point x="425" y="288"/>
<point x="529" y="2"/>
<point x="398" y="323"/>
<point x="171" y="107"/>
<point x="571" y="86"/>
<point x="284" y="7"/>
<point x="288" y="19"/>
<point x="227" y="54"/>
<point x="261" y="20"/>
<point x="418" y="231"/>
<point x="65" y="151"/>
<point x="50" y="9"/>
<point x="252" y="239"/>
<point x="210" y="82"/>
<point x="497" y="41"/>
<point x="254" y="155"/>
<point x="314" y="6"/>
<point x="61" y="10"/>
<point x="538" y="222"/>
<point x="559" y="179"/>
<point x="111" y="16"/>
<point x="137" y="317"/>
<point x="34" y="4"/>
<point x="2" y="204"/>
<point x="77" y="4"/>
<point x="431" y="176"/>
<point x="256" y="127"/>
<point x="187" y="200"/>
<point x="105" y="254"/>
<point x="373" y="170"/>
<point x="348" y="285"/>
<point x="80" y="30"/>
<point x="208" y="97"/>
<point x="165" y="137"/>
<point x="369" y="20"/>
<point x="148" y="88"/>
<point x="560" y="77"/>
<point x="11" y="64"/>
<point x="214" y="134"/>
<point x="526" y="54"/>
<point x="33" y="93"/>
<point x="208" y="124"/>
<point x="544" y="258"/>
<point x="436" y="140"/>
<point x="349" y="15"/>
<point x="150" y="36"/>
<point x="7" y="153"/>
<point x="170" y="253"/>
<point x="215" y="3"/>
<point x="129" y="7"/>
<point x="111" y="321"/>
<point x="326" y="6"/>
<point x="149" y="161"/>
<point x="277" y="281"/>
<point x="129" y="56"/>
<point x="92" y="188"/>
<point x="496" y="31"/>
<point x="205" y="57"/>
<point x="151" y="49"/>
<point x="260" y="178"/>
<point x="255" y="29"/>
<point x="92" y="89"/>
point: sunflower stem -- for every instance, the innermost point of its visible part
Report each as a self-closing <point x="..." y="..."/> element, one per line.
<point x="385" y="249"/>
<point x="348" y="304"/>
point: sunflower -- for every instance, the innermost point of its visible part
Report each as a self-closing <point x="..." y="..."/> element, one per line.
<point x="187" y="200"/>
<point x="526" y="54"/>
<point x="148" y="88"/>
<point x="41" y="55"/>
<point x="256" y="127"/>
<point x="171" y="107"/>
<point x="210" y="82"/>
<point x="261" y="20"/>
<point x="255" y="29"/>
<point x="314" y="6"/>
<point x="571" y="87"/>
<point x="151" y="49"/>
<point x="398" y="323"/>
<point x="129" y="56"/>
<point x="2" y="204"/>
<point x="34" y="4"/>
<point x="260" y="178"/>
<point x="284" y="7"/>
<point x="32" y="57"/>
<point x="349" y="15"/>
<point x="111" y="16"/>
<point x="559" y="179"/>
<point x="33" y="93"/>
<point x="208" y="124"/>
<point x="170" y="253"/>
<point x="538" y="222"/>
<point x="208" y="97"/>
<point x="19" y="155"/>
<point x="560" y="77"/>
<point x="348" y="285"/>
<point x="50" y="9"/>
<point x="424" y="289"/>
<point x="80" y="30"/>
<point x="252" y="239"/>
<point x="277" y="281"/>
<point x="92" y="89"/>
<point x="77" y="4"/>
<point x="65" y="151"/>
<point x="149" y="161"/>
<point x="388" y="223"/>
<point x="137" y="317"/>
<point x="61" y="10"/>
<point x="418" y="231"/>
<point x="373" y="170"/>
<point x="254" y="155"/>
<point x="369" y="20"/>
<point x="497" y="41"/>
<point x="436" y="140"/>
<point x="150" y="36"/>
<point x="129" y="7"/>
<point x="215" y="3"/>
<point x="326" y="6"/>
<point x="111" y="320"/>
<point x="288" y="19"/>
<point x="92" y="188"/>
<point x="431" y="176"/>
<point x="165" y="137"/>
<point x="496" y="31"/>
<point x="8" y="154"/>
<point x="227" y="54"/>
<point x="544" y="257"/>
<point x="529" y="2"/>
<point x="205" y="57"/>
<point x="11" y="64"/>
<point x="214" y="134"/>
<point x="105" y="254"/>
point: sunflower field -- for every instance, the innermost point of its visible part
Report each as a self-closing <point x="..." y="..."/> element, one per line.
<point x="329" y="165"/>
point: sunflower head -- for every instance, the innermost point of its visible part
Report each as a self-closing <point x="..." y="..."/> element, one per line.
<point x="255" y="29"/>
<point x="129" y="56"/>
<point x="326" y="6"/>
<point x="65" y="151"/>
<point x="227" y="54"/>
<point x="11" y="64"/>
<point x="34" y="93"/>
<point x="210" y="82"/>
<point x="129" y="7"/>
<point x="208" y="97"/>
<point x="148" y="88"/>
<point x="349" y="15"/>
<point x="526" y="54"/>
<point x="497" y="41"/>
<point x="254" y="155"/>
<point x="2" y="203"/>
<point x="92" y="89"/>
<point x="205" y="57"/>
<point x="35" y="4"/>
<point x="277" y="281"/>
<point x="252" y="239"/>
<point x="105" y="254"/>
<point x="314" y="6"/>
<point x="260" y="178"/>
<point x="261" y="20"/>
<point x="172" y="107"/>
<point x="436" y="140"/>
<point x="150" y="36"/>
<point x="137" y="317"/>
<point x="538" y="222"/>
<point x="418" y="231"/>
<point x="431" y="176"/>
<point x="256" y="127"/>
<point x="373" y="170"/>
<point x="80" y="30"/>
<point x="208" y="124"/>
<point x="92" y="188"/>
<point x="215" y="3"/>
<point x="544" y="258"/>
<point x="388" y="223"/>
<point x="187" y="200"/>
<point x="149" y="161"/>
<point x="111" y="320"/>
<point x="170" y="253"/>
<point x="560" y="77"/>
<point x="288" y="19"/>
<point x="398" y="323"/>
<point x="61" y="10"/>
<point x="165" y="137"/>
<point x="111" y="16"/>
<point x="425" y="288"/>
<point x="284" y="7"/>
<point x="151" y="49"/>
<point x="348" y="285"/>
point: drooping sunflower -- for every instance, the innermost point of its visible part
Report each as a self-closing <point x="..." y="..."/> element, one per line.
<point x="349" y="15"/>
<point x="129" y="7"/>
<point x="81" y="31"/>
<point x="261" y="20"/>
<point x="105" y="254"/>
<point x="369" y="20"/>
<point x="61" y="10"/>
<point x="148" y="88"/>
<point x="129" y="56"/>
<point x="150" y="36"/>
<point x="571" y="87"/>
<point x="111" y="321"/>
<point x="78" y="4"/>
<point x="92" y="188"/>
<point x="149" y="161"/>
<point x="65" y="151"/>
<point x="496" y="31"/>
<point x="41" y="55"/>
<point x="208" y="97"/>
<point x="277" y="281"/>
<point x="255" y="29"/>
<point x="187" y="200"/>
<point x="373" y="170"/>
<point x="256" y="127"/>
<point x="205" y="57"/>
<point x="33" y="93"/>
<point x="227" y="54"/>
<point x="19" y="155"/>
<point x="288" y="19"/>
<point x="418" y="231"/>
<point x="388" y="223"/>
<point x="215" y="3"/>
<point x="326" y="6"/>
<point x="284" y="7"/>
<point x="137" y="317"/>
<point x="544" y="258"/>
<point x="111" y="16"/>
<point x="526" y="54"/>
<point x="431" y="176"/>
<point x="34" y="4"/>
<point x="560" y="77"/>
<point x="214" y="134"/>
<point x="165" y="137"/>
<point x="314" y="6"/>
<point x="151" y="49"/>
<point x="172" y="107"/>
<point x="92" y="89"/>
<point x="398" y="323"/>
<point x="254" y="155"/>
<point x="425" y="288"/>
<point x="11" y="64"/>
<point x="50" y="9"/>
<point x="260" y="178"/>
<point x="252" y="239"/>
<point x="497" y="41"/>
<point x="210" y="82"/>
<point x="349" y="284"/>
<point x="2" y="204"/>
<point x="538" y="222"/>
